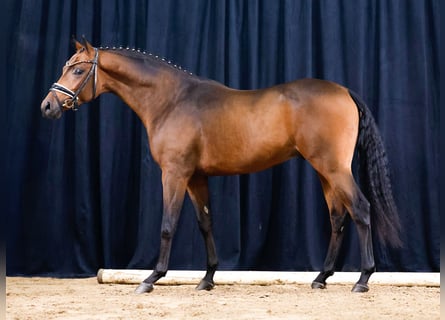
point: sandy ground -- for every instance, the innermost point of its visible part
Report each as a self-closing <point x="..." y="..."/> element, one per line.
<point x="48" y="298"/>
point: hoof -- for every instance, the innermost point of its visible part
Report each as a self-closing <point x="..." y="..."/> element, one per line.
<point x="205" y="285"/>
<point x="358" y="287"/>
<point x="318" y="285"/>
<point x="144" y="288"/>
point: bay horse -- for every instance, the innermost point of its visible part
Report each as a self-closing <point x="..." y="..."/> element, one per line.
<point x="199" y="128"/>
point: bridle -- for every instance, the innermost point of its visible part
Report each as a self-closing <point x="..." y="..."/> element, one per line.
<point x="72" y="103"/>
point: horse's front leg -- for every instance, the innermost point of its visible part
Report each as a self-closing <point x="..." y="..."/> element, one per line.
<point x="174" y="186"/>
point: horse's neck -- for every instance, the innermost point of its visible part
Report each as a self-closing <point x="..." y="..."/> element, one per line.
<point x="146" y="89"/>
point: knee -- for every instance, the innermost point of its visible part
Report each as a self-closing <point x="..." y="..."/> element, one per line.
<point x="204" y="223"/>
<point x="204" y="226"/>
<point x="166" y="234"/>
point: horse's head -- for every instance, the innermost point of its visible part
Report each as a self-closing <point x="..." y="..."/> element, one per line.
<point x="77" y="84"/>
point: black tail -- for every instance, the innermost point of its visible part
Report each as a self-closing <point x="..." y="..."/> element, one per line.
<point x="374" y="178"/>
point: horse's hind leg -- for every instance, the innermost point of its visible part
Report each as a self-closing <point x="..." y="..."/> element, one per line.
<point x="199" y="194"/>
<point x="360" y="213"/>
<point x="337" y="215"/>
<point x="345" y="191"/>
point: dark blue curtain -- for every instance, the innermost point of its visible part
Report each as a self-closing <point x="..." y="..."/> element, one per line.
<point x="84" y="193"/>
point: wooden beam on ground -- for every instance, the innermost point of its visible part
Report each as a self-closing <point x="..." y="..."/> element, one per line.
<point x="180" y="277"/>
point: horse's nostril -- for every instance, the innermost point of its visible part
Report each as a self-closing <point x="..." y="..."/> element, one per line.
<point x="48" y="106"/>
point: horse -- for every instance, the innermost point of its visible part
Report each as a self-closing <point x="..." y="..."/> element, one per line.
<point x="199" y="128"/>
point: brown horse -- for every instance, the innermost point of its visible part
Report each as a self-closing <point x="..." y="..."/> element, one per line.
<point x="199" y="128"/>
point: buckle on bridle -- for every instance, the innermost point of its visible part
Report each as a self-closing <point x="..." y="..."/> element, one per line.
<point x="70" y="104"/>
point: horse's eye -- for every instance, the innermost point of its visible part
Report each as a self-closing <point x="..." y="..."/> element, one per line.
<point x="77" y="71"/>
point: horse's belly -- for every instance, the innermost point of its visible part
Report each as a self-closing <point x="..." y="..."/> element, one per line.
<point x="243" y="158"/>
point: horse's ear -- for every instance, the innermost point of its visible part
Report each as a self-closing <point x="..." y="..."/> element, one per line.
<point x="77" y="44"/>
<point x="87" y="45"/>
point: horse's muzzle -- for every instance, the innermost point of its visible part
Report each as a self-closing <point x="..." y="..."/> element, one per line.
<point x="50" y="109"/>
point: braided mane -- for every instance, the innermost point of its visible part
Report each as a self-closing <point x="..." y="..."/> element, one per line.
<point x="138" y="54"/>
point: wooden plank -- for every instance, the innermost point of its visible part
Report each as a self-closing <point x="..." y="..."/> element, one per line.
<point x="180" y="277"/>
